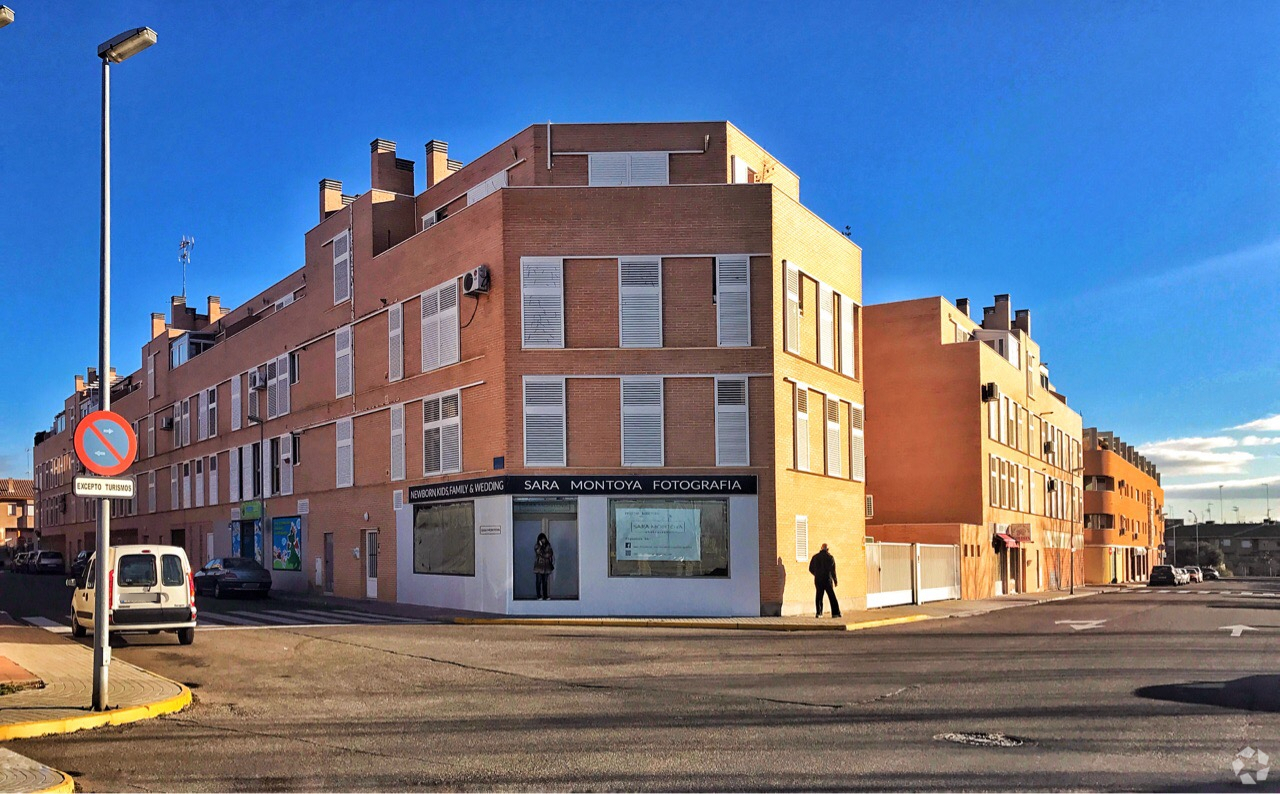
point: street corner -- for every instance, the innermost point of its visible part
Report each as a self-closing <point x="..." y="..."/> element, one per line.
<point x="21" y="774"/>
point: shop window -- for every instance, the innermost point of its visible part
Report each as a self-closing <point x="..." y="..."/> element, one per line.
<point x="669" y="537"/>
<point x="444" y="539"/>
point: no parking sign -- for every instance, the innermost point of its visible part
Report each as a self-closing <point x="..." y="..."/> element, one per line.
<point x="105" y="443"/>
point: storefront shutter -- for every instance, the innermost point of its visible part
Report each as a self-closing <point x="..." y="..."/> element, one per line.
<point x="607" y="169"/>
<point x="640" y="302"/>
<point x="733" y="301"/>
<point x="649" y="168"/>
<point x="542" y="301"/>
<point x="544" y="422"/>
<point x="732" y="422"/>
<point x="642" y="442"/>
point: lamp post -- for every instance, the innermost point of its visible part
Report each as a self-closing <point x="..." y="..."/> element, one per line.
<point x="116" y="50"/>
<point x="6" y="15"/>
<point x="262" y="474"/>
<point x="1197" y="526"/>
<point x="1222" y="516"/>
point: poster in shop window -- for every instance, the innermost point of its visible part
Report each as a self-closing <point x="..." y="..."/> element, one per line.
<point x="286" y="544"/>
<point x="659" y="534"/>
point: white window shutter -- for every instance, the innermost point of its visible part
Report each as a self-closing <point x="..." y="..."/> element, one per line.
<point x="826" y="327"/>
<point x="345" y="454"/>
<point x="197" y="472"/>
<point x="212" y="466"/>
<point x="174" y="504"/>
<point x="607" y="169"/>
<point x="733" y="301"/>
<point x="235" y="402"/>
<point x="286" y="464"/>
<point x="544" y="422"/>
<point x="792" y="320"/>
<point x="857" y="444"/>
<point x="642" y="442"/>
<point x="649" y="168"/>
<point x="490" y="185"/>
<point x="342" y="267"/>
<point x="397" y="442"/>
<point x="542" y="301"/>
<point x="430" y="304"/>
<point x="732" y="422"/>
<point x="431" y="435"/>
<point x="211" y="408"/>
<point x="848" y="350"/>
<point x="802" y="538"/>
<point x="151" y="492"/>
<point x="802" y="428"/>
<point x="273" y="380"/>
<point x="395" y="342"/>
<point x="202" y="418"/>
<point x="833" y="437"/>
<point x="283" y="396"/>
<point x="449" y="348"/>
<point x="246" y="472"/>
<point x="342" y="362"/>
<point x="640" y="302"/>
<point x="233" y="475"/>
<point x="151" y="376"/>
<point x="451" y="432"/>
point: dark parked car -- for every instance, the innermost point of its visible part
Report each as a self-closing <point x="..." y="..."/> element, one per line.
<point x="1162" y="575"/>
<point x="233" y="575"/>
<point x="1210" y="573"/>
<point x="80" y="563"/>
<point x="49" y="562"/>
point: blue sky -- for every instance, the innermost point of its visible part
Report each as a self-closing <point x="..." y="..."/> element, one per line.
<point x="1112" y="165"/>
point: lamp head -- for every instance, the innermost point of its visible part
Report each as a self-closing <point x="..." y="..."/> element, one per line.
<point x="126" y="45"/>
<point x="6" y="15"/>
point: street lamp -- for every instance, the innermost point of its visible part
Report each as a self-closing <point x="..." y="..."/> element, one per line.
<point x="1197" y="526"/>
<point x="115" y="50"/>
<point x="6" y="15"/>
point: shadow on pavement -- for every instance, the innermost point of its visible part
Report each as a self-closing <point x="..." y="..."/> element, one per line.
<point x="1251" y="693"/>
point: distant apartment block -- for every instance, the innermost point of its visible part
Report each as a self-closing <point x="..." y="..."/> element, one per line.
<point x="17" y="513"/>
<point x="1123" y="510"/>
<point x="972" y="454"/>
<point x="632" y="338"/>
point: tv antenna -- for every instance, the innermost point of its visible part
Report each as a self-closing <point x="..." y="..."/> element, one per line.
<point x="184" y="256"/>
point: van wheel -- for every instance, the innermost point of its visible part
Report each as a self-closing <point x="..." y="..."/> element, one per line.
<point x="76" y="629"/>
<point x="186" y="636"/>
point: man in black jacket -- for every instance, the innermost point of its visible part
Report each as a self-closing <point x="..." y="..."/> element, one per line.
<point x="823" y="568"/>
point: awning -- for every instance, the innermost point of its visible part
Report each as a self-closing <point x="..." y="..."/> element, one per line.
<point x="1008" y="540"/>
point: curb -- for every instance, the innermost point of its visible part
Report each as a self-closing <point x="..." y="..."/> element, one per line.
<point x="29" y="730"/>
<point x="687" y="624"/>
<point x="68" y="784"/>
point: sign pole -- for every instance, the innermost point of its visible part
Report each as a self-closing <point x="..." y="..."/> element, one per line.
<point x="101" y="644"/>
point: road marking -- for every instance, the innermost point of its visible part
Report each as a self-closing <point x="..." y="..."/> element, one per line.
<point x="294" y="617"/>
<point x="1237" y="630"/>
<point x="1081" y="625"/>
<point x="49" y="625"/>
<point x="227" y="618"/>
<point x="369" y="616"/>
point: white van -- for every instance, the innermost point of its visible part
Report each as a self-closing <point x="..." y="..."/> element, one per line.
<point x="150" y="589"/>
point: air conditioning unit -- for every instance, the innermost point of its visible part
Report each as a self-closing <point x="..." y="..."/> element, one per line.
<point x="430" y="219"/>
<point x="166" y="423"/>
<point x="990" y="393"/>
<point x="476" y="281"/>
<point x="258" y="378"/>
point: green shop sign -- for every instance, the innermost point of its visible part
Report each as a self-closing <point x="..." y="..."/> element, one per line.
<point x="251" y="510"/>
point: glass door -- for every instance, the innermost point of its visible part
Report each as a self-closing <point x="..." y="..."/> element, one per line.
<point x="557" y="519"/>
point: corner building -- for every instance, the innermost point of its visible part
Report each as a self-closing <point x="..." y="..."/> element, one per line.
<point x="1123" y="510"/>
<point x="632" y="338"/>
<point x="974" y="458"/>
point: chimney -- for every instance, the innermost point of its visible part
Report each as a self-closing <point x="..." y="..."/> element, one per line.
<point x="158" y="324"/>
<point x="111" y="377"/>
<point x="998" y="317"/>
<point x="963" y="305"/>
<point x="1022" y="321"/>
<point x="388" y="172"/>
<point x="79" y="383"/>
<point x="437" y="162"/>
<point x="215" y="308"/>
<point x="330" y="197"/>
<point x="93" y="377"/>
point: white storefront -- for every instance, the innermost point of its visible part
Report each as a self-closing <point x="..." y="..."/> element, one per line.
<point x="624" y="545"/>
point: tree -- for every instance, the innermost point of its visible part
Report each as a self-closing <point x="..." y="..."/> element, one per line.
<point x="1209" y="556"/>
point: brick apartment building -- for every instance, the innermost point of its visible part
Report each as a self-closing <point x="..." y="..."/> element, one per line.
<point x="633" y="338"/>
<point x="969" y="447"/>
<point x="17" y="513"/>
<point x="1123" y="510"/>
<point x="1247" y="549"/>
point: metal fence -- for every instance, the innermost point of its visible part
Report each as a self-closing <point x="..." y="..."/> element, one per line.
<point x="890" y="574"/>
<point x="939" y="577"/>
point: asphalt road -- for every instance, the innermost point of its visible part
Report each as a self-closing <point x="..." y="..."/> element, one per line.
<point x="1154" y="697"/>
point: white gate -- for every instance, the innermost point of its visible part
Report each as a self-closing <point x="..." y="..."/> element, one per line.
<point x="890" y="579"/>
<point x="937" y="572"/>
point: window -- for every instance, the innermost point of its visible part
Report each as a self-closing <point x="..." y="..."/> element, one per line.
<point x="491" y="185"/>
<point x="211" y="409"/>
<point x="278" y="387"/>
<point x="802" y="428"/>
<point x="857" y="444"/>
<point x="342" y="267"/>
<point x="849" y="315"/>
<point x="186" y="421"/>
<point x="213" y="479"/>
<point x="792" y="320"/>
<point x="1004" y="420"/>
<point x="233" y="475"/>
<point x="608" y="169"/>
<point x="669" y="537"/>
<point x="733" y="301"/>
<point x="444" y="539"/>
<point x="542" y="301"/>
<point x="826" y="326"/>
<point x="442" y="434"/>
<point x="285" y="445"/>
<point x="642" y="425"/>
<point x="440" y="326"/>
<point x="732" y="422"/>
<point x="802" y="538"/>
<point x="256" y="472"/>
<point x="342" y="372"/>
<point x="151" y="492"/>
<point x="833" y="437"/>
<point x="993" y="420"/>
<point x="640" y="302"/>
<point x="137" y="570"/>
<point x="993" y="480"/>
<point x="544" y="422"/>
<point x="173" y="487"/>
<point x="171" y="571"/>
<point x="395" y="342"/>
<point x="235" y="402"/>
<point x="151" y="379"/>
<point x="199" y="481"/>
<point x="345" y="454"/>
<point x="397" y="442"/>
<point x="273" y="447"/>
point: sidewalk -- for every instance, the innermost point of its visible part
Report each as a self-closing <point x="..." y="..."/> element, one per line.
<point x="58" y="678"/>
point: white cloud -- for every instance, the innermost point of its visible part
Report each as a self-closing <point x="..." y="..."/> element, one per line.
<point x="1259" y="441"/>
<point x="1208" y="490"/>
<point x="1271" y="424"/>
<point x="1197" y="455"/>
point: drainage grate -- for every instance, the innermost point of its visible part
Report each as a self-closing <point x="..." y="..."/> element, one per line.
<point x="981" y="739"/>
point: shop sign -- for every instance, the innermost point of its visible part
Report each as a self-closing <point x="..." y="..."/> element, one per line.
<point x="1020" y="532"/>
<point x="572" y="485"/>
<point x="251" y="510"/>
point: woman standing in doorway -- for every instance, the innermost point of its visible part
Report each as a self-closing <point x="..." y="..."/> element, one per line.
<point x="544" y="562"/>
